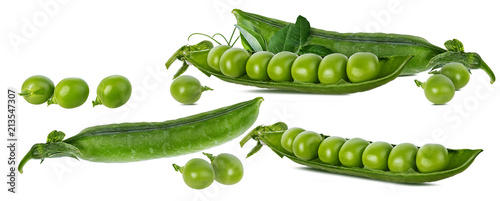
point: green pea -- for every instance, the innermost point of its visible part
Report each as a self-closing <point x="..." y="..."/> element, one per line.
<point x="187" y="89"/>
<point x="438" y="89"/>
<point x="362" y="66"/>
<point x="280" y="66"/>
<point x="37" y="89"/>
<point x="332" y="69"/>
<point x="458" y="74"/>
<point x="328" y="151"/>
<point x="257" y="65"/>
<point x="288" y="137"/>
<point x="113" y="91"/>
<point x="214" y="55"/>
<point x="402" y="158"/>
<point x="305" y="68"/>
<point x="227" y="167"/>
<point x="197" y="173"/>
<point x="432" y="158"/>
<point x="306" y="144"/>
<point x="233" y="62"/>
<point x="376" y="154"/>
<point x="350" y="154"/>
<point x="70" y="93"/>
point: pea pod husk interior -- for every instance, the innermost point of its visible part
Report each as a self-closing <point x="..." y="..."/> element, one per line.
<point x="391" y="67"/>
<point x="459" y="159"/>
<point x="128" y="142"/>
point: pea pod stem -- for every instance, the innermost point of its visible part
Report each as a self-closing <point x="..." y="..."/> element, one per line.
<point x="211" y="157"/>
<point x="420" y="84"/>
<point x="97" y="101"/>
<point x="178" y="168"/>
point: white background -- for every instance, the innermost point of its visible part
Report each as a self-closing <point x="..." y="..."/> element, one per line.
<point x="95" y="39"/>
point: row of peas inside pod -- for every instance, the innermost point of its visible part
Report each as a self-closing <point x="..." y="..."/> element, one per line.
<point x="287" y="66"/>
<point x="357" y="152"/>
<point x="113" y="91"/>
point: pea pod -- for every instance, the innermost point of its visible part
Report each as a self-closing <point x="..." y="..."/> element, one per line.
<point x="127" y="142"/>
<point x="459" y="159"/>
<point x="197" y="54"/>
<point x="427" y="55"/>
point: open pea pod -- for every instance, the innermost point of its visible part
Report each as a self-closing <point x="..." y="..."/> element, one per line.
<point x="459" y="159"/>
<point x="390" y="67"/>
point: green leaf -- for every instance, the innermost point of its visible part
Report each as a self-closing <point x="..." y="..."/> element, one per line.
<point x="303" y="28"/>
<point x="278" y="42"/>
<point x="55" y="136"/>
<point x="315" y="49"/>
<point x="454" y="45"/>
<point x="254" y="39"/>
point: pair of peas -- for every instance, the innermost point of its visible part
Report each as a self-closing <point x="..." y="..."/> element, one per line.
<point x="287" y="66"/>
<point x="440" y="87"/>
<point x="357" y="152"/>
<point x="113" y="91"/>
<point x="225" y="168"/>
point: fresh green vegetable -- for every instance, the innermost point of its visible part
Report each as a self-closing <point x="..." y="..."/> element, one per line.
<point x="280" y="66"/>
<point x="438" y="89"/>
<point x="197" y="173"/>
<point x="127" y="142"/>
<point x="305" y="68"/>
<point x="432" y="158"/>
<point x="306" y="144"/>
<point x="328" y="151"/>
<point x="279" y="71"/>
<point x="362" y="66"/>
<point x="227" y="167"/>
<point x="113" y="91"/>
<point x="427" y="55"/>
<point x="70" y="93"/>
<point x="403" y="158"/>
<point x="37" y="89"/>
<point x="332" y="69"/>
<point x="288" y="138"/>
<point x="214" y="56"/>
<point x="187" y="89"/>
<point x="350" y="154"/>
<point x="457" y="72"/>
<point x="458" y="159"/>
<point x="256" y="67"/>
<point x="376" y="155"/>
<point x="233" y="62"/>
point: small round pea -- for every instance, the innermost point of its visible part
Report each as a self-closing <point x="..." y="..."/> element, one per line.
<point x="257" y="65"/>
<point x="70" y="93"/>
<point x="197" y="173"/>
<point x="402" y="158"/>
<point x="187" y="89"/>
<point x="350" y="154"/>
<point x="458" y="74"/>
<point x="233" y="62"/>
<point x="328" y="151"/>
<point x="376" y="154"/>
<point x="432" y="158"/>
<point x="227" y="167"/>
<point x="280" y="66"/>
<point x="306" y="144"/>
<point x="332" y="69"/>
<point x="305" y="68"/>
<point x="113" y="91"/>
<point x="438" y="89"/>
<point x="37" y="89"/>
<point x="362" y="66"/>
<point x="214" y="55"/>
<point x="288" y="137"/>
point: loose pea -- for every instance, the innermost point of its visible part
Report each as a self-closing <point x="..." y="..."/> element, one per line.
<point x="37" y="89"/>
<point x="376" y="154"/>
<point x="457" y="73"/>
<point x="70" y="93"/>
<point x="197" y="173"/>
<point x="227" y="167"/>
<point x="438" y="89"/>
<point x="328" y="151"/>
<point x="350" y="154"/>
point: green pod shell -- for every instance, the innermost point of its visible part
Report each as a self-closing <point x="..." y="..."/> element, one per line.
<point x="427" y="55"/>
<point x="390" y="68"/>
<point x="459" y="159"/>
<point x="127" y="142"/>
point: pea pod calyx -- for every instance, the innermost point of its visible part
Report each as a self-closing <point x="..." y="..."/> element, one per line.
<point x="459" y="159"/>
